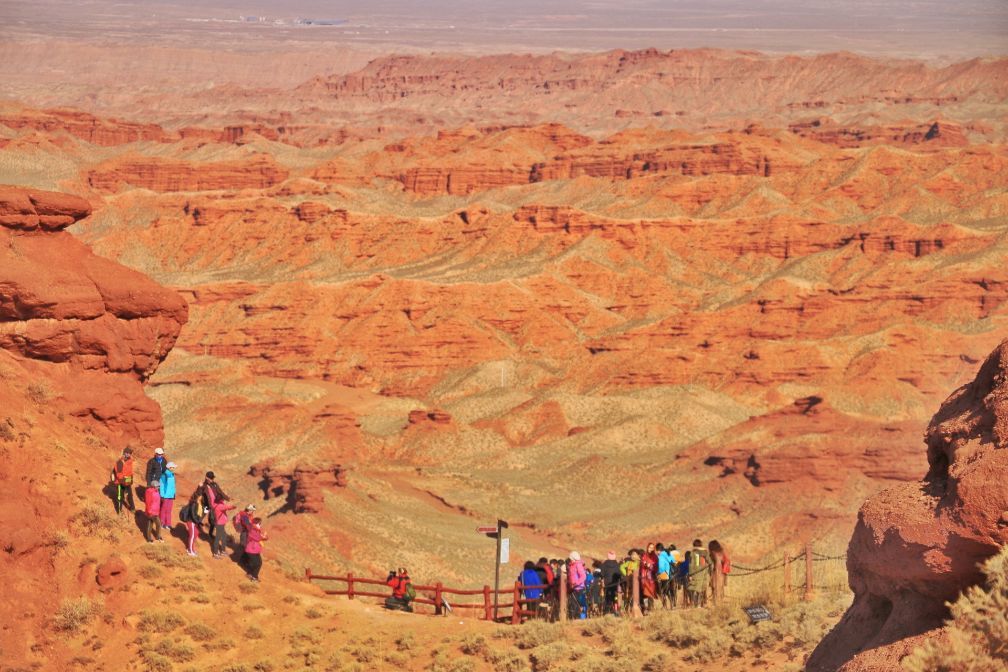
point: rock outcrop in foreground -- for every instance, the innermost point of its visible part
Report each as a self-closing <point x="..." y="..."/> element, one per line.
<point x="104" y="326"/>
<point x="918" y="545"/>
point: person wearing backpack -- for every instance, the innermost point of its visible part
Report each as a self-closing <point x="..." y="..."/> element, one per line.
<point x="253" y="550"/>
<point x="192" y="516"/>
<point x="577" y="575"/>
<point x="122" y="477"/>
<point x="699" y="574"/>
<point x="219" y="519"/>
<point x="402" y="590"/>
<point x="167" y="491"/>
<point x="152" y="502"/>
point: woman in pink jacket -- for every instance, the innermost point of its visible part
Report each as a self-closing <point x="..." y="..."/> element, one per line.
<point x="253" y="549"/>
<point x="220" y="510"/>
<point x="152" y="502"/>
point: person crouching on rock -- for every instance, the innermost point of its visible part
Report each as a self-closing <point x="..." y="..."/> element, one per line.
<point x="253" y="549"/>
<point x="402" y="590"/>
<point x="152" y="501"/>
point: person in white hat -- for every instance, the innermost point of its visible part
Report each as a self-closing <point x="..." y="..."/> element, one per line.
<point x="167" y="495"/>
<point x="156" y="466"/>
<point x="243" y="523"/>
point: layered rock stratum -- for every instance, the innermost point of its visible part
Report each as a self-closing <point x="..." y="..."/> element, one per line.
<point x="559" y="289"/>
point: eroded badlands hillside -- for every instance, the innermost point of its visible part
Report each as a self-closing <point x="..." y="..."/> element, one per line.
<point x="605" y="296"/>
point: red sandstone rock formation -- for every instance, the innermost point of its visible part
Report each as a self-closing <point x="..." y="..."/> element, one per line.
<point x="83" y="323"/>
<point x="918" y="545"/>
<point x="304" y="485"/>
<point x="257" y="172"/>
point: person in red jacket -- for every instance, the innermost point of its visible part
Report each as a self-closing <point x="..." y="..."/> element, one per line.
<point x="402" y="590"/>
<point x="220" y="510"/>
<point x="122" y="478"/>
<point x="152" y="500"/>
<point x="253" y="550"/>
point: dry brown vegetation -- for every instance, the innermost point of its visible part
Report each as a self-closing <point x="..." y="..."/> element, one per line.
<point x="976" y="638"/>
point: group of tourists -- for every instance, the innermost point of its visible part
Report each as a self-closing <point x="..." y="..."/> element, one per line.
<point x="664" y="575"/>
<point x="208" y="503"/>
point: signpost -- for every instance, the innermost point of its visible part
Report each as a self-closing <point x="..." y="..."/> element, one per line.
<point x="499" y="557"/>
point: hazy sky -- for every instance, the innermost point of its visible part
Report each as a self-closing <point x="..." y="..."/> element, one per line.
<point x="952" y="26"/>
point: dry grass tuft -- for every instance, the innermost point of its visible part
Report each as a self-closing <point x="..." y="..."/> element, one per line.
<point x="74" y="614"/>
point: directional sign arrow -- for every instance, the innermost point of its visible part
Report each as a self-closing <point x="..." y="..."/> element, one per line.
<point x="486" y="530"/>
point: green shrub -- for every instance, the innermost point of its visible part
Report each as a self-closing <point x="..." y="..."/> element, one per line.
<point x="179" y="652"/>
<point x="74" y="614"/>
<point x="473" y="645"/>
<point x="160" y="622"/>
<point x="200" y="633"/>
<point x="536" y="633"/>
<point x="96" y="521"/>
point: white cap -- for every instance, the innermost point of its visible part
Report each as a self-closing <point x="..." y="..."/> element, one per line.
<point x="575" y="556"/>
<point x="170" y="465"/>
<point x="159" y="451"/>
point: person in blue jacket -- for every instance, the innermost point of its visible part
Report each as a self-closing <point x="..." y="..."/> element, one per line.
<point x="530" y="577"/>
<point x="664" y="574"/>
<point x="167" y="495"/>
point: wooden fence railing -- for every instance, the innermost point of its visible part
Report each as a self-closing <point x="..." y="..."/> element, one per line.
<point x="435" y="595"/>
<point x="522" y="607"/>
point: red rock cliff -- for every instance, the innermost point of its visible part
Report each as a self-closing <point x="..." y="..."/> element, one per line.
<point x="94" y="330"/>
<point x="918" y="545"/>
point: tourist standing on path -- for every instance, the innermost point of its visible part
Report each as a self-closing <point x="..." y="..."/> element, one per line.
<point x="253" y="549"/>
<point x="530" y="577"/>
<point x="122" y="477"/>
<point x="219" y="518"/>
<point x="152" y="500"/>
<point x="577" y="576"/>
<point x="167" y="488"/>
<point x="699" y="574"/>
<point x="611" y="576"/>
<point x="242" y="522"/>
<point x="155" y="467"/>
<point x="648" y="568"/>
<point x="664" y="575"/>
<point x="192" y="516"/>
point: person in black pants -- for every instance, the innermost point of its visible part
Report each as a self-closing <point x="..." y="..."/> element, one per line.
<point x="611" y="577"/>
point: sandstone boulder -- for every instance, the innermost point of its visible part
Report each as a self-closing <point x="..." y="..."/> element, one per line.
<point x="918" y="545"/>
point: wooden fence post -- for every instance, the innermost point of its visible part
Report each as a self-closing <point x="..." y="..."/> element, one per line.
<point x="438" y="599"/>
<point x="787" y="573"/>
<point x="808" y="572"/>
<point x="635" y="609"/>
<point x="349" y="589"/>
<point x="563" y="594"/>
<point x="516" y="609"/>
<point x="717" y="579"/>
<point x="307" y="574"/>
<point x="487" y="604"/>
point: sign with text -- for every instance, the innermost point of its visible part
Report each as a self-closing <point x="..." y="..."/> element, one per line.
<point x="505" y="550"/>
